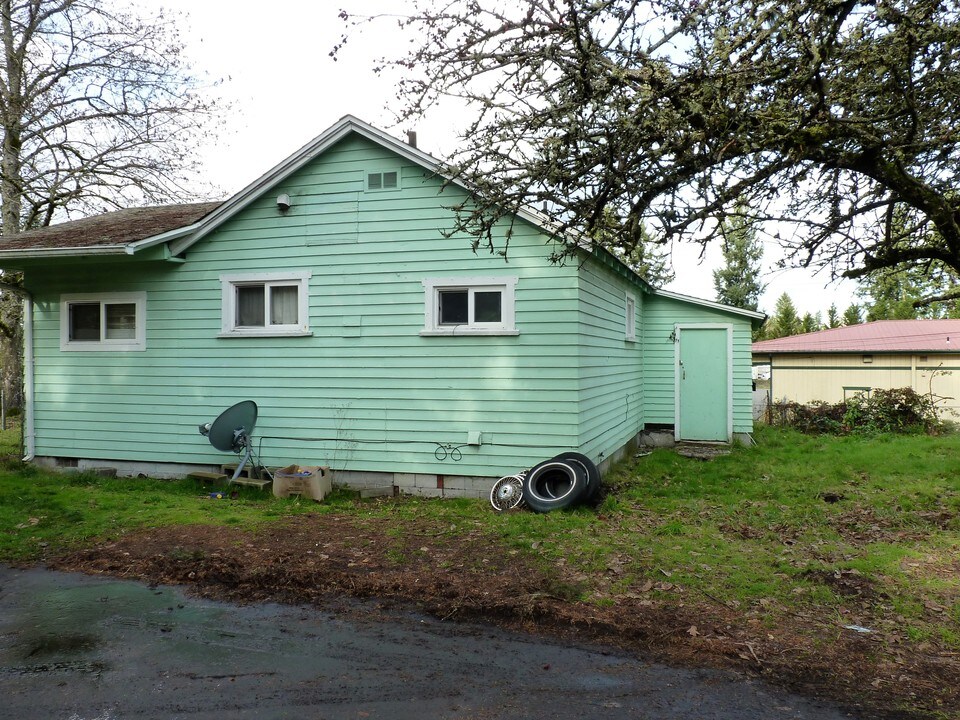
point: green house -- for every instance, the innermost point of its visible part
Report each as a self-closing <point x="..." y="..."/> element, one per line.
<point x="326" y="292"/>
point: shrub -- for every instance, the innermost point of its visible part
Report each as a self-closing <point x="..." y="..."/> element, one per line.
<point x="900" y="410"/>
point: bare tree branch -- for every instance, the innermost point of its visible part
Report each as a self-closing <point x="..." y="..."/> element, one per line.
<point x="820" y="115"/>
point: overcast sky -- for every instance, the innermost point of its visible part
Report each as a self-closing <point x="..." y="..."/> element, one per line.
<point x="273" y="59"/>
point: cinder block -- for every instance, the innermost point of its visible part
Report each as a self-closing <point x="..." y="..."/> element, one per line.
<point x="405" y="480"/>
<point x="359" y="479"/>
<point x="426" y="481"/>
<point x="427" y="492"/>
<point x="471" y="484"/>
<point x="374" y="492"/>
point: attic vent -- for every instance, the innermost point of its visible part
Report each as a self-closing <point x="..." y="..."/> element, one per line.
<point x="868" y="358"/>
<point x="389" y="180"/>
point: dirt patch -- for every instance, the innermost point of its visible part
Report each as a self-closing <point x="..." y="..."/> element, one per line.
<point x="459" y="572"/>
<point x="848" y="583"/>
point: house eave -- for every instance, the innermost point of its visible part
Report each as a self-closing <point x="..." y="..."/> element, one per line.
<point x="165" y="237"/>
<point x="755" y="317"/>
<point x="41" y="253"/>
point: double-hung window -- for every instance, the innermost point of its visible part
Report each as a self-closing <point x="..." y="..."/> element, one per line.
<point x="265" y="304"/>
<point x="469" y="306"/>
<point x="103" y="322"/>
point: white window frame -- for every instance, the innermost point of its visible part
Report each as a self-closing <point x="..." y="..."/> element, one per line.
<point x="228" y="286"/>
<point x="630" y="317"/>
<point x="136" y="344"/>
<point x="431" y="303"/>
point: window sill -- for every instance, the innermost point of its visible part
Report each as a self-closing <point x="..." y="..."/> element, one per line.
<point x="102" y="347"/>
<point x="462" y="331"/>
<point x="266" y="334"/>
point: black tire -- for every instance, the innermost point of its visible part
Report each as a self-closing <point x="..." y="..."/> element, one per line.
<point x="593" y="473"/>
<point x="554" y="485"/>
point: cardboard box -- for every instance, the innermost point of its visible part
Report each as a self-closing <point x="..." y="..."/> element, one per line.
<point x="312" y="481"/>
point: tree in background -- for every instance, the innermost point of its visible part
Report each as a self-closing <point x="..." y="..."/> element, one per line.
<point x="737" y="283"/>
<point x="811" y="323"/>
<point x="853" y="315"/>
<point x="651" y="261"/>
<point x="912" y="290"/>
<point x="668" y="113"/>
<point x="784" y="321"/>
<point x="833" y="318"/>
<point x="98" y="110"/>
<point x="898" y="294"/>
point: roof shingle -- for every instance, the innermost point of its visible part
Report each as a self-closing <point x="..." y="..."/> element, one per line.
<point x="115" y="228"/>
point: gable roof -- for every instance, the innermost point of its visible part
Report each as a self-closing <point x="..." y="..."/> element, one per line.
<point x="880" y="336"/>
<point x="344" y="126"/>
<point x="109" y="233"/>
<point x="181" y="226"/>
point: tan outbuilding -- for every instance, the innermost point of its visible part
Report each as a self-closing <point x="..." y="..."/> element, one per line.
<point x="833" y="365"/>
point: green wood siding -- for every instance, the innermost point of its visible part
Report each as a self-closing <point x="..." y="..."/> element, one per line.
<point x="661" y="315"/>
<point x="365" y="391"/>
<point x="611" y="367"/>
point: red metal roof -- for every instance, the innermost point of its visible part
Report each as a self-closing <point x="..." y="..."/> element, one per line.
<point x="880" y="336"/>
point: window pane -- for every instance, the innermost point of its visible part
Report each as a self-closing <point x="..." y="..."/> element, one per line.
<point x="283" y="305"/>
<point x="453" y="307"/>
<point x="121" y="321"/>
<point x="486" y="306"/>
<point x="374" y="181"/>
<point x="85" y="321"/>
<point x="250" y="306"/>
<point x="389" y="179"/>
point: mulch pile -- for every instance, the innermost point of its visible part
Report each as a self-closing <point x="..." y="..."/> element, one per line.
<point x="459" y="572"/>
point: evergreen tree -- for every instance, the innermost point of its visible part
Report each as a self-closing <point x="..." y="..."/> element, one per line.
<point x="784" y="321"/>
<point x="651" y="261"/>
<point x="892" y="294"/>
<point x="853" y="315"/>
<point x="811" y="323"/>
<point x="737" y="283"/>
<point x="833" y="319"/>
<point x="648" y="258"/>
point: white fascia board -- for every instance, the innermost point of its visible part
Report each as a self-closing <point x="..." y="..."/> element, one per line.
<point x="168" y="236"/>
<point x="710" y="304"/>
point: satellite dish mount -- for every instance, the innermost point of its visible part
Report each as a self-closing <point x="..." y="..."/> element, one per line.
<point x="231" y="432"/>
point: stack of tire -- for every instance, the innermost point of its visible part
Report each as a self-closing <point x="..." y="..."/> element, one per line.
<point x="564" y="481"/>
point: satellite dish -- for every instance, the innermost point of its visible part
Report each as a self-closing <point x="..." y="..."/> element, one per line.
<point x="231" y="432"/>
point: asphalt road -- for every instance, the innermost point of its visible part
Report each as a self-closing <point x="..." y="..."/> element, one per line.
<point x="79" y="648"/>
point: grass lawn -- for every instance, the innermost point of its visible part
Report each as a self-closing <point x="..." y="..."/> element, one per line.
<point x="849" y="531"/>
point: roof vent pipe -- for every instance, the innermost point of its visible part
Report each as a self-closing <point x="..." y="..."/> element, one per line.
<point x="412" y="138"/>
